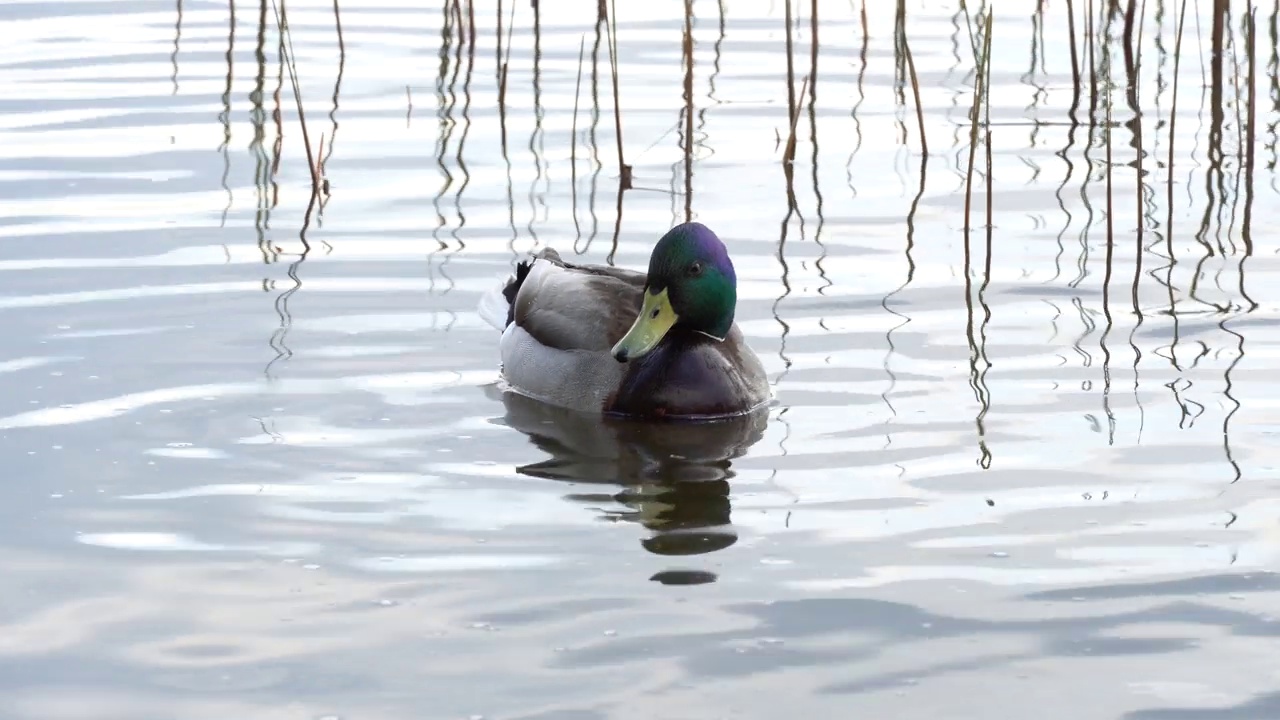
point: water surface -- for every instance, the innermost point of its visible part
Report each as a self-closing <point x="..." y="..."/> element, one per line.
<point x="257" y="471"/>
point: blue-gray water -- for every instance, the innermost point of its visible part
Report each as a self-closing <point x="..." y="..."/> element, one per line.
<point x="250" y="477"/>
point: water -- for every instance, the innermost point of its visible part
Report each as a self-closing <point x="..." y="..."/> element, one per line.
<point x="255" y="477"/>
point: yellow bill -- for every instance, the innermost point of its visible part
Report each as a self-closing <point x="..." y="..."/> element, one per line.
<point x="655" y="320"/>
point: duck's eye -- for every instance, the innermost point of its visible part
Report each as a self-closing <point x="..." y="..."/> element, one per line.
<point x="695" y="269"/>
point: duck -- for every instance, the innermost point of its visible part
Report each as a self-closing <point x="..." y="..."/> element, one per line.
<point x="655" y="345"/>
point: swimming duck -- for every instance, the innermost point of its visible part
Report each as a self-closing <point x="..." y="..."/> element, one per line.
<point x="655" y="345"/>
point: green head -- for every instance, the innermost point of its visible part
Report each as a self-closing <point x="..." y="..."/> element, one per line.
<point x="691" y="285"/>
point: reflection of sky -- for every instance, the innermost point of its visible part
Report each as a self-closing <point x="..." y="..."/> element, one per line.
<point x="179" y="508"/>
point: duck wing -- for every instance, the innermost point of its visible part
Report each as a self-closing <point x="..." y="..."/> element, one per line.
<point x="575" y="307"/>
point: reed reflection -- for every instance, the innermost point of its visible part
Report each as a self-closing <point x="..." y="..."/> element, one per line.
<point x="716" y="56"/>
<point x="793" y="209"/>
<point x="980" y="34"/>
<point x="177" y="41"/>
<point x="1040" y="94"/>
<point x="277" y="117"/>
<point x="814" y="154"/>
<point x="592" y="138"/>
<point x="457" y="37"/>
<point x="884" y="302"/>
<point x="1250" y="150"/>
<point x="686" y="111"/>
<point x="862" y="96"/>
<point x="225" y="116"/>
<point x="1110" y="253"/>
<point x="958" y="92"/>
<point x="333" y="112"/>
<point x="610" y="15"/>
<point x="466" y="38"/>
<point x="672" y="479"/>
<point x="1144" y="198"/>
<point x="1273" y="91"/>
<point x="315" y="165"/>
<point x="503" y="72"/>
<point x="258" y="118"/>
<point x="573" y="146"/>
<point x="537" y="138"/>
<point x="446" y="100"/>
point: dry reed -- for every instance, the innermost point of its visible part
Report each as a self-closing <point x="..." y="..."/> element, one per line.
<point x="624" y="170"/>
<point x="286" y="47"/>
<point x="789" y="152"/>
<point x="982" y="60"/>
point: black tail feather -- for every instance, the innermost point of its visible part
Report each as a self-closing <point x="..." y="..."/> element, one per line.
<point x="513" y="288"/>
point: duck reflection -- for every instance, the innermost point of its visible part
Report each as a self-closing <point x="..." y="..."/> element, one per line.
<point x="674" y="476"/>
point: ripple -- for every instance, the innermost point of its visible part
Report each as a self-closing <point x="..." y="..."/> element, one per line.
<point x="453" y="563"/>
<point x="259" y="463"/>
<point x="390" y="386"/>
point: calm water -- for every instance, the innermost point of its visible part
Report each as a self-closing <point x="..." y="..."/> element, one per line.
<point x="252" y="477"/>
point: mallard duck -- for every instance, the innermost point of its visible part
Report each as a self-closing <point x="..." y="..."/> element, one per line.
<point x="661" y="344"/>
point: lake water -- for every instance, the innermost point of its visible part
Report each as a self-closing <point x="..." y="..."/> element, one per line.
<point x="256" y="473"/>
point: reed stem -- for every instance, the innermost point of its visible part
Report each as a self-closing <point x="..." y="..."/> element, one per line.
<point x="624" y="170"/>
<point x="982" y="61"/>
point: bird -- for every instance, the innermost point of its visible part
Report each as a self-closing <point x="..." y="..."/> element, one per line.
<point x="655" y="345"/>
